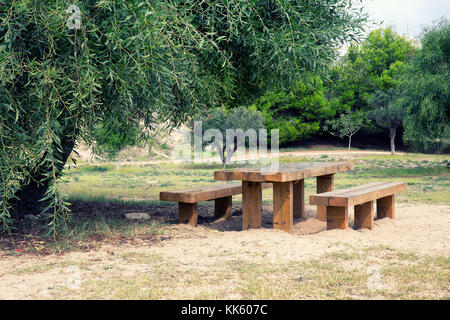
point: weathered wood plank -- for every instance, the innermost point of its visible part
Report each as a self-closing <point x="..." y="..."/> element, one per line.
<point x="377" y="193"/>
<point x="188" y="213"/>
<point x="251" y="205"/>
<point x="386" y="207"/>
<point x="355" y="188"/>
<point x="202" y="193"/>
<point x="283" y="206"/>
<point x="337" y="218"/>
<point x="339" y="201"/>
<point x="205" y="193"/>
<point x="298" y="189"/>
<point x="222" y="208"/>
<point x="324" y="184"/>
<point x="364" y="215"/>
<point x="285" y="173"/>
<point x="357" y="195"/>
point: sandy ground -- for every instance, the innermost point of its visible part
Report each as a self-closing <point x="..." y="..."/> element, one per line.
<point x="422" y="229"/>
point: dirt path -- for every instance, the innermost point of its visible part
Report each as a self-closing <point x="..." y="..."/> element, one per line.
<point x="202" y="255"/>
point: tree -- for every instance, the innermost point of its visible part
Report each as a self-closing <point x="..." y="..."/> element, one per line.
<point x="238" y="122"/>
<point x="346" y="126"/>
<point x="425" y="92"/>
<point x="111" y="137"/>
<point x="387" y="112"/>
<point x="299" y="112"/>
<point x="374" y="65"/>
<point x="65" y="69"/>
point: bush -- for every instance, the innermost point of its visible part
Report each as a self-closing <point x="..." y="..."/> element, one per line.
<point x="244" y="118"/>
<point x="297" y="113"/>
<point x="425" y="93"/>
<point x="111" y="137"/>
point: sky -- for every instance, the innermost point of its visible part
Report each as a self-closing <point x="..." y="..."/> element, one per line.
<point x="407" y="16"/>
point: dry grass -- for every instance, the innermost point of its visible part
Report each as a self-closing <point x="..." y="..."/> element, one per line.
<point x="157" y="259"/>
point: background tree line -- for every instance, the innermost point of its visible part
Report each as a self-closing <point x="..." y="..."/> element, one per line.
<point x="387" y="82"/>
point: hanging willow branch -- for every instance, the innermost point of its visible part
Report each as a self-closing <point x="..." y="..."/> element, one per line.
<point x="135" y="62"/>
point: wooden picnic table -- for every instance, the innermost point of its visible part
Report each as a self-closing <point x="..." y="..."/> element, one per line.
<point x="288" y="190"/>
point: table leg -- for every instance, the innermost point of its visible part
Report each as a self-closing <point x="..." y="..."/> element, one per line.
<point x="299" y="198"/>
<point x="283" y="204"/>
<point x="251" y="205"/>
<point x="324" y="184"/>
<point x="386" y="207"/>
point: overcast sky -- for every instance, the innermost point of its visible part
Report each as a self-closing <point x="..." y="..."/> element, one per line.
<point x="407" y="16"/>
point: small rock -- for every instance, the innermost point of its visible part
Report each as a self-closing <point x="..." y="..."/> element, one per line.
<point x="236" y="212"/>
<point x="30" y="217"/>
<point x="137" y="216"/>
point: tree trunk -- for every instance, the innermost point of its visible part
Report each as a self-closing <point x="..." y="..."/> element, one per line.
<point x="222" y="156"/>
<point x="230" y="152"/>
<point x="349" y="146"/>
<point x="392" y="133"/>
<point x="30" y="194"/>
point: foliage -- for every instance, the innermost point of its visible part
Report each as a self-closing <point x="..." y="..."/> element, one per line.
<point x="425" y="93"/>
<point x="112" y="136"/>
<point x="346" y="125"/>
<point x="387" y="112"/>
<point x="139" y="61"/>
<point x="237" y="121"/>
<point x="374" y="65"/>
<point x="297" y="113"/>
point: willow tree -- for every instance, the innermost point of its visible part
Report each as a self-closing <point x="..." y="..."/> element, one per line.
<point x="425" y="92"/>
<point x="66" y="68"/>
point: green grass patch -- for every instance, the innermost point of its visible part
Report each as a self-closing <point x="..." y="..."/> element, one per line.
<point x="427" y="177"/>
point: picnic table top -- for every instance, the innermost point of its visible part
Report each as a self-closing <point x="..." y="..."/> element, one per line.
<point x="284" y="173"/>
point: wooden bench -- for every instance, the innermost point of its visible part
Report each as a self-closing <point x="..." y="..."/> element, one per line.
<point x="337" y="203"/>
<point x="188" y="200"/>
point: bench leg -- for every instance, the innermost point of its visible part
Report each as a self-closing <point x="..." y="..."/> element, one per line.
<point x="299" y="198"/>
<point x="337" y="218"/>
<point x="222" y="208"/>
<point x="283" y="204"/>
<point x="364" y="215"/>
<point x="188" y="213"/>
<point x="251" y="205"/>
<point x="324" y="184"/>
<point x="386" y="207"/>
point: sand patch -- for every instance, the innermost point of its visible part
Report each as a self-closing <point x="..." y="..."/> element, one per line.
<point x="420" y="229"/>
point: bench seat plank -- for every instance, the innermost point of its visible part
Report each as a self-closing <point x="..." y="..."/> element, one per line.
<point x="205" y="193"/>
<point x="357" y="195"/>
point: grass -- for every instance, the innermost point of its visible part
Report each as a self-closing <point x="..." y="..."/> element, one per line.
<point x="102" y="194"/>
<point x="382" y="274"/>
<point x="427" y="177"/>
<point x="97" y="191"/>
<point x="87" y="229"/>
